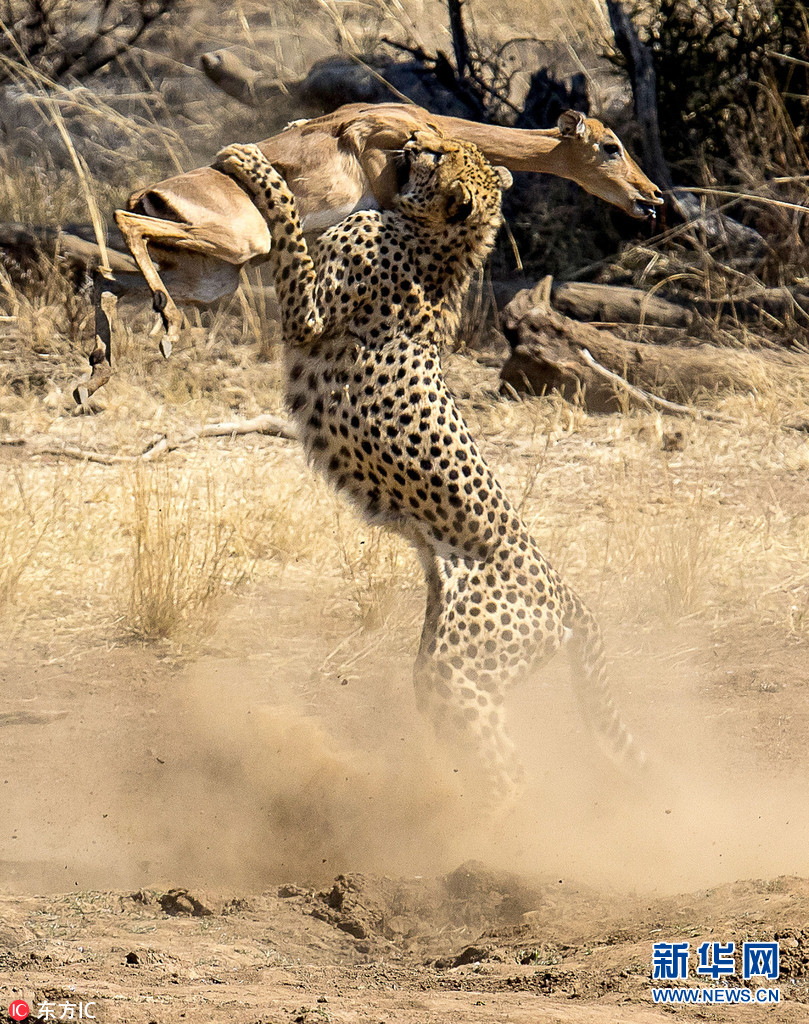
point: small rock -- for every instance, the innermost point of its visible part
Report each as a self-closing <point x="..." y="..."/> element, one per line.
<point x="180" y="903"/>
<point x="673" y="441"/>
<point x="471" y="955"/>
<point x="286" y="892"/>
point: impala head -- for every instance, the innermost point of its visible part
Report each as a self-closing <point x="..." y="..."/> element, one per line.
<point x="604" y="168"/>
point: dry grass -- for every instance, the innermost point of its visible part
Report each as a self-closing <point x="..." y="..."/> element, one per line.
<point x="716" y="534"/>
<point x="375" y="564"/>
<point x="180" y="555"/>
<point x="25" y="518"/>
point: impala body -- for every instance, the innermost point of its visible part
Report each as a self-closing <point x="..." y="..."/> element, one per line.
<point x="201" y="227"/>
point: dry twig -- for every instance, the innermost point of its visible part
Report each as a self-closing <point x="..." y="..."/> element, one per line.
<point x="649" y="399"/>
<point x="268" y="424"/>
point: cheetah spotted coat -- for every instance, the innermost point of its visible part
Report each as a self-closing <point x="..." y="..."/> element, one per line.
<point x="364" y="318"/>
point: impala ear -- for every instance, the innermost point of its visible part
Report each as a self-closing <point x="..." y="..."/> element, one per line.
<point x="572" y="124"/>
<point x="504" y="174"/>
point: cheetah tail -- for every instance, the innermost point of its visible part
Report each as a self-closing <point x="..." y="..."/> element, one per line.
<point x="588" y="661"/>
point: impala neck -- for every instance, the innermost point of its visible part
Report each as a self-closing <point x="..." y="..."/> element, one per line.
<point x="519" y="149"/>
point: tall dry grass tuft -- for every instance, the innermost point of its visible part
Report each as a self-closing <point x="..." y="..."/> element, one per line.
<point x="260" y="314"/>
<point x="20" y="532"/>
<point x="797" y="584"/>
<point x="375" y="564"/>
<point x="24" y="521"/>
<point x="180" y="554"/>
<point x="44" y="313"/>
<point x="682" y="552"/>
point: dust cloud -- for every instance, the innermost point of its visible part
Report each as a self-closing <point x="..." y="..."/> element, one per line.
<point x="260" y="795"/>
<point x="710" y="812"/>
<point x="254" y="794"/>
<point x="233" y="773"/>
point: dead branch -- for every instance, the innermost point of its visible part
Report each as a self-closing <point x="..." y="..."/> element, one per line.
<point x="268" y="424"/>
<point x="651" y="400"/>
<point x="460" y="44"/>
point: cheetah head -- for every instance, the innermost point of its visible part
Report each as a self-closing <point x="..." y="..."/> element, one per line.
<point x="450" y="182"/>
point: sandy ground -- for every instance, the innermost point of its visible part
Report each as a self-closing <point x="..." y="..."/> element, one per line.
<point x="257" y="827"/>
<point x="153" y="804"/>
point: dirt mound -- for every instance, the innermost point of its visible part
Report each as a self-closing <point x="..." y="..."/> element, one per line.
<point x="454" y="947"/>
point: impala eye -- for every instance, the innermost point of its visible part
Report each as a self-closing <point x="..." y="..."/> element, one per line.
<point x="612" y="149"/>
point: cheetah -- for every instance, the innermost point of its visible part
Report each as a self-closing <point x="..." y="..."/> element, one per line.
<point x="365" y="315"/>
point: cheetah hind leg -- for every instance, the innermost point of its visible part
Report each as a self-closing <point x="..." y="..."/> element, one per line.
<point x="295" y="276"/>
<point x="479" y="751"/>
<point x="588" y="660"/>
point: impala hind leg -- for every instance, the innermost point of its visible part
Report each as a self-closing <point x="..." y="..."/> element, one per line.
<point x="105" y="289"/>
<point x="138" y="231"/>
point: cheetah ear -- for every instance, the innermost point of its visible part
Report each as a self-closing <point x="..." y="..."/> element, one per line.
<point x="504" y="174"/>
<point x="459" y="203"/>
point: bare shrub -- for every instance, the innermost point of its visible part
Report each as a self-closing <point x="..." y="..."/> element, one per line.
<point x="719" y="65"/>
<point x="24" y="521"/>
<point x="374" y="564"/>
<point x="60" y="40"/>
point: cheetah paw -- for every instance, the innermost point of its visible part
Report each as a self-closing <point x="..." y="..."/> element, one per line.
<point x="237" y="155"/>
<point x="314" y="325"/>
<point x="247" y="163"/>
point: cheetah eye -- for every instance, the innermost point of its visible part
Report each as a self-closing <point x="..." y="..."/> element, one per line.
<point x="433" y="156"/>
<point x="612" y="149"/>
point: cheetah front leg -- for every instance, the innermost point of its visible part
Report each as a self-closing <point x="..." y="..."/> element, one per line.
<point x="295" y="277"/>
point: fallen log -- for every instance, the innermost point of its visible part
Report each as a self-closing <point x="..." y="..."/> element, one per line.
<point x="780" y="303"/>
<point x="617" y="305"/>
<point x="548" y="355"/>
<point x="27" y="242"/>
<point x="229" y="72"/>
<point x="333" y="81"/>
